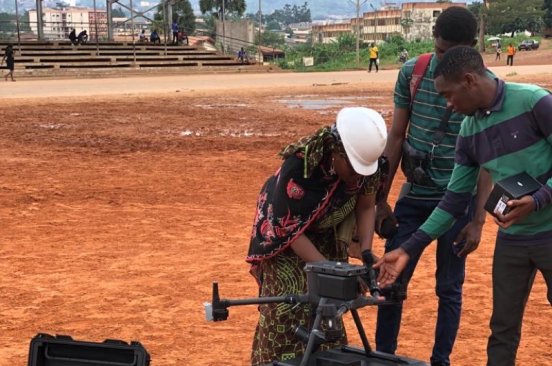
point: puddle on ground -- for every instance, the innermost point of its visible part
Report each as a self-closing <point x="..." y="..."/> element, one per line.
<point x="314" y="104"/>
<point x="221" y="106"/>
<point x="51" y="126"/>
<point x="310" y="102"/>
<point x="227" y="133"/>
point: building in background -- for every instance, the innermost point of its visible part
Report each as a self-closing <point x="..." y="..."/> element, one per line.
<point x="59" y="22"/>
<point x="330" y="31"/>
<point x="412" y="21"/>
<point x="300" y="33"/>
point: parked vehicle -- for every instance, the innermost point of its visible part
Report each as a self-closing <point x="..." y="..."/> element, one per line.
<point x="528" y="45"/>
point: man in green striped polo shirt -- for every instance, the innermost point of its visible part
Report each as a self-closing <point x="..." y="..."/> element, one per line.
<point x="416" y="120"/>
<point x="508" y="131"/>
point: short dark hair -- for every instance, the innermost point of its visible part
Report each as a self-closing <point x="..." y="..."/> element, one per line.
<point x="459" y="60"/>
<point x="456" y="24"/>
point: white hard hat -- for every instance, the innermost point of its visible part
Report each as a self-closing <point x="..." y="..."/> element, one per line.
<point x="364" y="134"/>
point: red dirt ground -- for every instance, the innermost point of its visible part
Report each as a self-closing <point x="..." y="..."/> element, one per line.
<point x="116" y="219"/>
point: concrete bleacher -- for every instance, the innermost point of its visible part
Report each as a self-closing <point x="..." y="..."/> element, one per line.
<point x="62" y="58"/>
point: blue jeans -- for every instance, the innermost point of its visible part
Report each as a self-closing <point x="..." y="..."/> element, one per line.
<point x="411" y="214"/>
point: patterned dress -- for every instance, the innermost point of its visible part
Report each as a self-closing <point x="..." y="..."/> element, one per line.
<point x="296" y="200"/>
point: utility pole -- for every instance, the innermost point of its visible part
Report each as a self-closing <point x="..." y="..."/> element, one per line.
<point x="39" y="20"/>
<point x="132" y="30"/>
<point x="96" y="28"/>
<point x="260" y="23"/>
<point x="260" y="32"/>
<point x="17" y="24"/>
<point x="375" y="23"/>
<point x="357" y="29"/>
<point x="223" y="28"/>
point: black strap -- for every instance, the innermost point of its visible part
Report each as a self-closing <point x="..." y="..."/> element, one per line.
<point x="440" y="133"/>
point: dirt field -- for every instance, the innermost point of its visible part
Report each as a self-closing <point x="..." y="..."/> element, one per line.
<point x="117" y="214"/>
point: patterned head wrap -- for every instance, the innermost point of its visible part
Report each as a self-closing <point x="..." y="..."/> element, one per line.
<point x="313" y="148"/>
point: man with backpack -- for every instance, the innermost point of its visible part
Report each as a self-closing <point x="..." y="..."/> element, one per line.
<point x="422" y="138"/>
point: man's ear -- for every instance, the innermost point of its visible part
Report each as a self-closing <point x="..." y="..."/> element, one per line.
<point x="470" y="79"/>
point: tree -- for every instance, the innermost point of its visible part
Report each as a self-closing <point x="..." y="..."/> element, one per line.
<point x="301" y="14"/>
<point x="183" y="14"/>
<point x="8" y="22"/>
<point x="547" y="18"/>
<point x="118" y="13"/>
<point x="480" y="11"/>
<point x="510" y="16"/>
<point x="231" y="7"/>
<point x="271" y="39"/>
<point x="290" y="14"/>
<point x="273" y="25"/>
<point x="25" y="23"/>
<point x="61" y="5"/>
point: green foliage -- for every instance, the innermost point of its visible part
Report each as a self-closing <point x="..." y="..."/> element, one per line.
<point x="24" y="23"/>
<point x="118" y="13"/>
<point x="346" y="43"/>
<point x="478" y="9"/>
<point x="61" y="5"/>
<point x="273" y="25"/>
<point x="341" y="55"/>
<point x="547" y="18"/>
<point x="510" y="16"/>
<point x="214" y="7"/>
<point x="290" y="14"/>
<point x="182" y="13"/>
<point x="7" y="23"/>
<point x="271" y="39"/>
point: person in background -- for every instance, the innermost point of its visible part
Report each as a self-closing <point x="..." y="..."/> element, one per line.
<point x="142" y="37"/>
<point x="10" y="62"/>
<point x="82" y="38"/>
<point x="507" y="131"/>
<point x="154" y="37"/>
<point x="242" y="56"/>
<point x="498" y="51"/>
<point x="417" y="119"/>
<point x="306" y="212"/>
<point x="511" y="52"/>
<point x="73" y="36"/>
<point x="175" y="28"/>
<point x="183" y="37"/>
<point x="403" y="56"/>
<point x="374" y="56"/>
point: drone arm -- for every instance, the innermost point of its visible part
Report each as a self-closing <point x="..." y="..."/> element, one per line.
<point x="217" y="310"/>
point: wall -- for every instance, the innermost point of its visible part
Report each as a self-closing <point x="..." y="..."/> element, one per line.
<point x="236" y="34"/>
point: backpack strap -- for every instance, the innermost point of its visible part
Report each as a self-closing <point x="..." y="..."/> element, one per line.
<point x="422" y="63"/>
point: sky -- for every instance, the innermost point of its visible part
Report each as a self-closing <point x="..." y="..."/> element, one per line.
<point x="318" y="7"/>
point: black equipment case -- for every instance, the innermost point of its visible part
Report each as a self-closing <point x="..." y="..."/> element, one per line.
<point x="47" y="350"/>
<point x="513" y="187"/>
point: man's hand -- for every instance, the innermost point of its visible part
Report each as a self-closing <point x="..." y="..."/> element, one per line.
<point x="471" y="236"/>
<point x="391" y="265"/>
<point x="519" y="209"/>
<point x="384" y="212"/>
